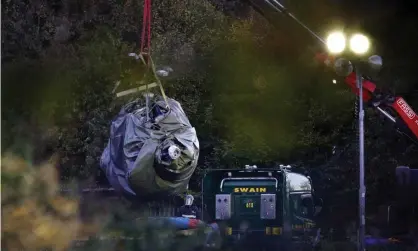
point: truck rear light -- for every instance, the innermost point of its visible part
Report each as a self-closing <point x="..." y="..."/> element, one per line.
<point x="268" y="230"/>
<point x="268" y="206"/>
<point x="228" y="231"/>
<point x="223" y="206"/>
<point x="277" y="230"/>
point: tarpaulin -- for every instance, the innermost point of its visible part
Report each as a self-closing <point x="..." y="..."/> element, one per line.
<point x="151" y="149"/>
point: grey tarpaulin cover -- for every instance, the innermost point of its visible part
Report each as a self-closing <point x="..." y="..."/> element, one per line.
<point x="154" y="155"/>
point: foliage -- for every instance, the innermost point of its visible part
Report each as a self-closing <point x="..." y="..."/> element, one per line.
<point x="267" y="110"/>
<point x="236" y="112"/>
<point x="34" y="215"/>
<point x="74" y="80"/>
<point x="37" y="216"/>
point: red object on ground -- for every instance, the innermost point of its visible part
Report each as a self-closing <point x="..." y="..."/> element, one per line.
<point x="193" y="223"/>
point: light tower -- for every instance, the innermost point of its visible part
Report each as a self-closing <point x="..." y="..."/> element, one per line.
<point x="359" y="44"/>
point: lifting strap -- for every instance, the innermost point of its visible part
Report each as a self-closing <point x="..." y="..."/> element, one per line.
<point x="145" y="50"/>
<point x="145" y="57"/>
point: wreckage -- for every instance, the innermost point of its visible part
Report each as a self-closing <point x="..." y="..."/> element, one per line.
<point x="152" y="149"/>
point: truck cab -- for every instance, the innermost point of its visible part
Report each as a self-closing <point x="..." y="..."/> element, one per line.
<point x="268" y="207"/>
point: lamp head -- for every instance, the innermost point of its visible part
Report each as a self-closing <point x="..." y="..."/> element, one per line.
<point x="343" y="67"/>
<point x="336" y="42"/>
<point x="375" y="62"/>
<point x="359" y="44"/>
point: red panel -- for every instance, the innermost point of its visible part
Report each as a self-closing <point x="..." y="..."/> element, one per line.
<point x="407" y="114"/>
<point x="368" y="86"/>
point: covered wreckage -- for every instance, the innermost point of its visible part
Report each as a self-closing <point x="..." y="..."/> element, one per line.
<point x="152" y="150"/>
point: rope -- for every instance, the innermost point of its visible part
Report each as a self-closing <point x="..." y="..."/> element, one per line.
<point x="146" y="31"/>
<point x="146" y="48"/>
<point x="146" y="45"/>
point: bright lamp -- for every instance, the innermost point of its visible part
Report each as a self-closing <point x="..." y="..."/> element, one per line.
<point x="359" y="44"/>
<point x="336" y="42"/>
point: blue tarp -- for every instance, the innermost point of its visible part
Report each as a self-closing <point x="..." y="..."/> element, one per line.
<point x="374" y="241"/>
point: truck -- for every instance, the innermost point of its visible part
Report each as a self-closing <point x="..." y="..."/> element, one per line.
<point x="268" y="207"/>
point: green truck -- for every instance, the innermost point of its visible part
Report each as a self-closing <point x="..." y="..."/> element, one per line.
<point x="268" y="208"/>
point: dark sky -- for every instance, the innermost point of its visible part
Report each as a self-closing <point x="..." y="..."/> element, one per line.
<point x="391" y="23"/>
<point x="380" y="16"/>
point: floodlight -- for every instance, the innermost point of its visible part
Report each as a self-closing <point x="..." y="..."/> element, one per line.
<point x="336" y="42"/>
<point x="359" y="44"/>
